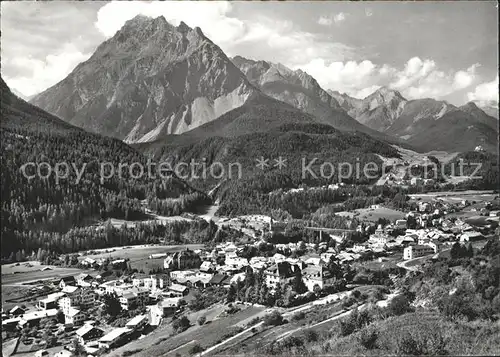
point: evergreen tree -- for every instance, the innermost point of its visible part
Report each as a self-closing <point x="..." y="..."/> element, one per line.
<point x="470" y="251"/>
<point x="456" y="250"/>
<point x="112" y="306"/>
<point x="231" y="294"/>
<point x="297" y="283"/>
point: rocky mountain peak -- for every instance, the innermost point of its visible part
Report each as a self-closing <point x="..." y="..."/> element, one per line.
<point x="386" y="94"/>
<point x="141" y="23"/>
<point x="150" y="79"/>
<point x="198" y="31"/>
<point x="470" y="107"/>
<point x="183" y="28"/>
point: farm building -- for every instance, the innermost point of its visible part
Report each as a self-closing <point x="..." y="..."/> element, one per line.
<point x="137" y="323"/>
<point x="88" y="333"/>
<point x="16" y="311"/>
<point x="67" y="280"/>
<point x="471" y="236"/>
<point x="114" y="338"/>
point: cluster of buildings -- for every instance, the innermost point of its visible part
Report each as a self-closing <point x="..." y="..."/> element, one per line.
<point x="432" y="231"/>
<point x="277" y="268"/>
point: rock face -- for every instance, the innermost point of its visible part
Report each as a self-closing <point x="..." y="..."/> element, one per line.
<point x="489" y="107"/>
<point x="377" y="111"/>
<point x="150" y="79"/>
<point x="417" y="115"/>
<point x="298" y="89"/>
<point x="349" y="104"/>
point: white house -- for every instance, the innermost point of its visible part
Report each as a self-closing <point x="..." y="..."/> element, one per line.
<point x="317" y="276"/>
<point x="416" y="251"/>
<point x="73" y="316"/>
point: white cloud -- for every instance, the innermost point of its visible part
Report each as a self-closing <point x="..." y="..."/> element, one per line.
<point x="365" y="92"/>
<point x="485" y="92"/>
<point x="212" y="17"/>
<point x="47" y="72"/>
<point x="463" y="79"/>
<point x="331" y="19"/>
<point x="277" y="39"/>
<point x="417" y="79"/>
<point x="325" y="20"/>
<point x="339" y="17"/>
<point x="350" y="77"/>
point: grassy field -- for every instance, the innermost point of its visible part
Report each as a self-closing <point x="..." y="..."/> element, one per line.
<point x="161" y="343"/>
<point x="139" y="255"/>
<point x="387" y="263"/>
<point x="368" y="214"/>
<point x="20" y="274"/>
<point x="138" y="252"/>
<point x="461" y="338"/>
<point x="455" y="197"/>
<point x="316" y="319"/>
<point x="8" y="347"/>
<point x="10" y="292"/>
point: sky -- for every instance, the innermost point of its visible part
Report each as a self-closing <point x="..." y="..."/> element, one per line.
<point x="443" y="50"/>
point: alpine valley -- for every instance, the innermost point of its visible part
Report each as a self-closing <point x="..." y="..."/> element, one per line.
<point x="152" y="79"/>
<point x="173" y="94"/>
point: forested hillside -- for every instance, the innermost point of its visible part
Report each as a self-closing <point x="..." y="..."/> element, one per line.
<point x="450" y="308"/>
<point x="36" y="205"/>
<point x="300" y="144"/>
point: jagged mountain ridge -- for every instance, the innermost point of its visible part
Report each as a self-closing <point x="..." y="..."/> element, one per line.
<point x="489" y="107"/>
<point x="41" y="136"/>
<point x="416" y="121"/>
<point x="150" y="79"/>
<point x="303" y="92"/>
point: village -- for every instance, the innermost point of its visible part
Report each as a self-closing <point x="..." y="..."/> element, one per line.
<point x="65" y="317"/>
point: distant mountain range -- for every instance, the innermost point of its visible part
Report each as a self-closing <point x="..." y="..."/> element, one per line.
<point x="424" y="123"/>
<point x="153" y="81"/>
<point x="303" y="92"/>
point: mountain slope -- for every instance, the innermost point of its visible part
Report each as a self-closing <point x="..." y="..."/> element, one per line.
<point x="381" y="108"/>
<point x="50" y="211"/>
<point x="349" y="104"/>
<point x="265" y="127"/>
<point x="303" y="92"/>
<point x="18" y="114"/>
<point x="456" y="131"/>
<point x="426" y="124"/>
<point x="480" y="115"/>
<point x="149" y="79"/>
<point x="490" y="107"/>
<point x="416" y="116"/>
